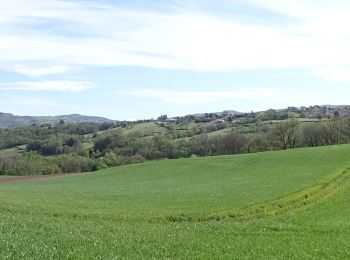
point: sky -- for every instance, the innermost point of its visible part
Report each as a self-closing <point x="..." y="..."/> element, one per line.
<point x="138" y="59"/>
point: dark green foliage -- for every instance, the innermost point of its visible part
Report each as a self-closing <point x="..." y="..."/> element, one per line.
<point x="201" y="135"/>
<point x="57" y="144"/>
<point x="31" y="164"/>
<point x="111" y="160"/>
<point x="286" y="134"/>
<point x="34" y="164"/>
<point x="315" y="134"/>
<point x="232" y="143"/>
<point x="74" y="163"/>
<point x="106" y="142"/>
<point x="248" y="137"/>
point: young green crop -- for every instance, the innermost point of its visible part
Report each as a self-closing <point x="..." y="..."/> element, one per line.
<point x="125" y="211"/>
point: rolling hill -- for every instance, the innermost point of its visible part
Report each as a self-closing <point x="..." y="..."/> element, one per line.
<point x="8" y="120"/>
<point x="284" y="204"/>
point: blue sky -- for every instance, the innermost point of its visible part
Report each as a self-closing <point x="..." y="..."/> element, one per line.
<point x="140" y="58"/>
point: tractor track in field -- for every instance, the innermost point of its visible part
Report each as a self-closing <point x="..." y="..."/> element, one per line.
<point x="295" y="201"/>
<point x="292" y="202"/>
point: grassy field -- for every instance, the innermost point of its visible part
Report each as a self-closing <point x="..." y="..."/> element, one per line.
<point x="139" y="129"/>
<point x="287" y="204"/>
<point x="10" y="153"/>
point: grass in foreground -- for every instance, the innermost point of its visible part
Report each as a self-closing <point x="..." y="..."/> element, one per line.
<point x="125" y="211"/>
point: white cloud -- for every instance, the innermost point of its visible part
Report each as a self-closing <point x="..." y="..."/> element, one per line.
<point x="40" y="71"/>
<point x="63" y="85"/>
<point x="184" y="39"/>
<point x="193" y="97"/>
<point x="333" y="74"/>
<point x="26" y="105"/>
<point x="251" y="98"/>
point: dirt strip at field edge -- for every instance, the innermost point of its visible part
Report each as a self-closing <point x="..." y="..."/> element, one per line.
<point x="15" y="179"/>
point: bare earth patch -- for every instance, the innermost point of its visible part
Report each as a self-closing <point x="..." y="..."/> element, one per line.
<point x="15" y="179"/>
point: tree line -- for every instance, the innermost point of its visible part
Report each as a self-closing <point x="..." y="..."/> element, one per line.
<point x="280" y="136"/>
<point x="61" y="148"/>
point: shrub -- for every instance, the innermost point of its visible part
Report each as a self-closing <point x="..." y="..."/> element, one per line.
<point x="74" y="163"/>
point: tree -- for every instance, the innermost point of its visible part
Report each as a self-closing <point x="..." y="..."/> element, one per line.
<point x="286" y="134"/>
<point x="338" y="130"/>
<point x="162" y="118"/>
<point x="258" y="143"/>
<point x="232" y="143"/>
<point x="336" y="114"/>
<point x="313" y="134"/>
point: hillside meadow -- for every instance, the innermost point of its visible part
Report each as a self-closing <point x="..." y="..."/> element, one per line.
<point x="283" y="204"/>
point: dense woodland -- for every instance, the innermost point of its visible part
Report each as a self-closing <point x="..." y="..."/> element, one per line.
<point x="80" y="147"/>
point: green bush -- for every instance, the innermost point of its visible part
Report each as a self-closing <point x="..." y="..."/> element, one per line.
<point x="31" y="164"/>
<point x="74" y="163"/>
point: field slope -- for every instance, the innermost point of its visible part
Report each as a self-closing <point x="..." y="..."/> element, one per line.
<point x="282" y="204"/>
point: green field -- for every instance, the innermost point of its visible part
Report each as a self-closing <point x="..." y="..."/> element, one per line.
<point x="139" y="129"/>
<point x="286" y="204"/>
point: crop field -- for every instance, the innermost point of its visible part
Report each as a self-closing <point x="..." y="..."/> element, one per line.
<point x="285" y="204"/>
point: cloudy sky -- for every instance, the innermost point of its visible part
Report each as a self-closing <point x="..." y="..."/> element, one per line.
<point x="141" y="58"/>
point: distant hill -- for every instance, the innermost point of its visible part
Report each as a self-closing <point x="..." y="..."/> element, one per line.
<point x="8" y="120"/>
<point x="223" y="113"/>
